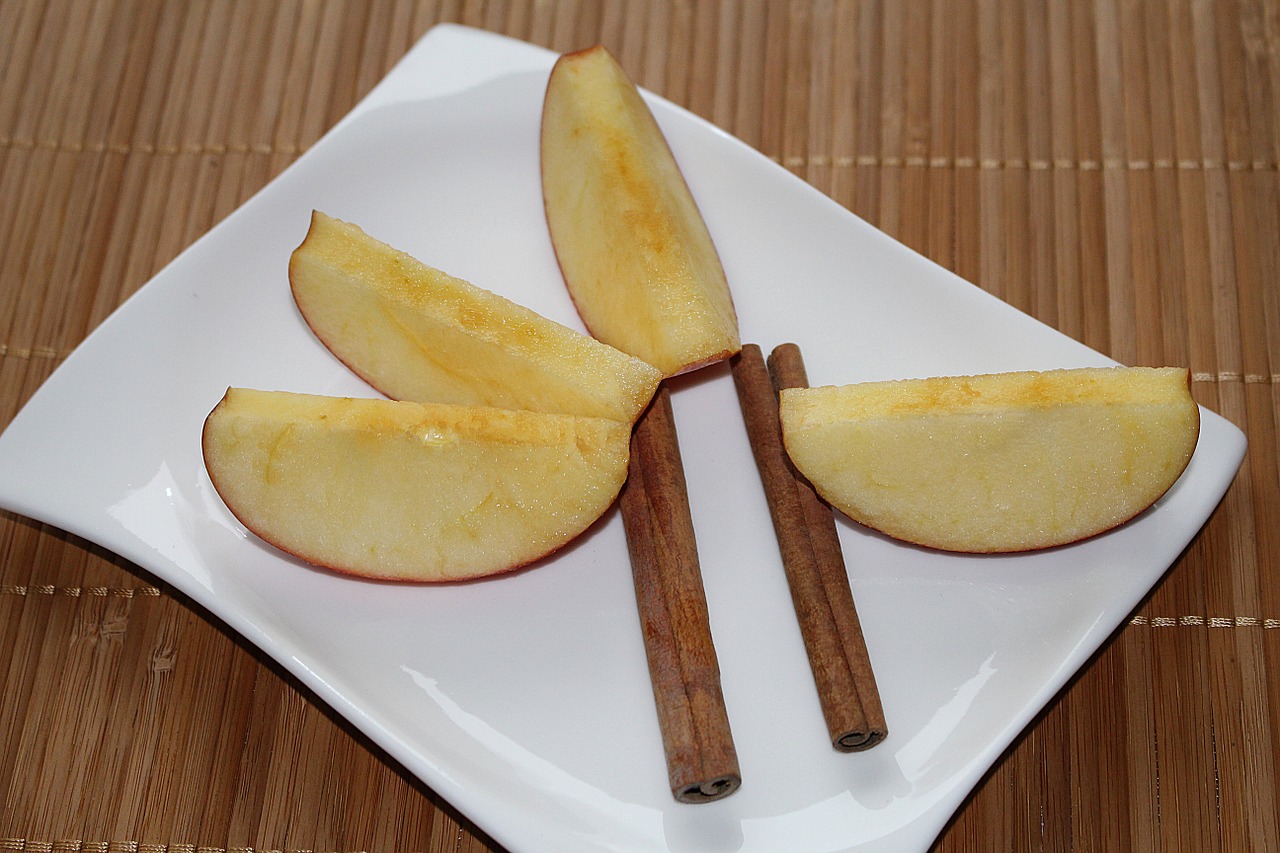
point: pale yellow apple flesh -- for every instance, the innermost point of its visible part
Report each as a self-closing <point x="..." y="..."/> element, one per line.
<point x="634" y="250"/>
<point x="416" y="333"/>
<point x="408" y="491"/>
<point x="1001" y="462"/>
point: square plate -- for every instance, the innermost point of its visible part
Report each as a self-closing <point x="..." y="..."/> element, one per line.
<point x="525" y="700"/>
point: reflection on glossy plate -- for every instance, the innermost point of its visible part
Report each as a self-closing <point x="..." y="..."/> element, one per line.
<point x="524" y="700"/>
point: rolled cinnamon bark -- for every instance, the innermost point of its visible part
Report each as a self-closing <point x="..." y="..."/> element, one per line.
<point x="811" y="556"/>
<point x="702" y="762"/>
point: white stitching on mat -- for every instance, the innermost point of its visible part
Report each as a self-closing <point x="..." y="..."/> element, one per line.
<point x="78" y="591"/>
<point x="1160" y="164"/>
<point x="29" y="845"/>
<point x="1237" y="376"/>
<point x="78" y="147"/>
<point x="1205" y="621"/>
<point x="32" y="352"/>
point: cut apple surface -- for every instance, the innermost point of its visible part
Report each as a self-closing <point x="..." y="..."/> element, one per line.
<point x="1000" y="462"/>
<point x="634" y="250"/>
<point x="416" y="333"/>
<point x="408" y="491"/>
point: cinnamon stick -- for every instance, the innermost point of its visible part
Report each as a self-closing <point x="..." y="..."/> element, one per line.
<point x="811" y="556"/>
<point x="702" y="763"/>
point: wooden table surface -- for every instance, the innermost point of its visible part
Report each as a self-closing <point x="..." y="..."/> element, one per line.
<point x="1109" y="167"/>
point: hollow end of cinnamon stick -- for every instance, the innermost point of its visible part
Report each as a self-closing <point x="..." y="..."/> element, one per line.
<point x="812" y="559"/>
<point x="858" y="741"/>
<point x="702" y="762"/>
<point x="709" y="790"/>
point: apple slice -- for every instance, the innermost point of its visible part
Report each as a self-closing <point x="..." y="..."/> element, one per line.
<point x="634" y="251"/>
<point x="408" y="491"/>
<point x="416" y="333"/>
<point x="1000" y="462"/>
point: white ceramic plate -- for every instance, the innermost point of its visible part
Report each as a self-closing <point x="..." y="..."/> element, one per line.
<point x="525" y="700"/>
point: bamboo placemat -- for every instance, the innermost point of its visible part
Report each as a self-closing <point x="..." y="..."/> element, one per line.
<point x="1109" y="167"/>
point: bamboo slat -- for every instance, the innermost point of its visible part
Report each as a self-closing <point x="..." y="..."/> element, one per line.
<point x="1111" y="167"/>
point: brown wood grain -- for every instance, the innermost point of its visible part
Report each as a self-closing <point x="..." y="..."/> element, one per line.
<point x="1110" y="167"/>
